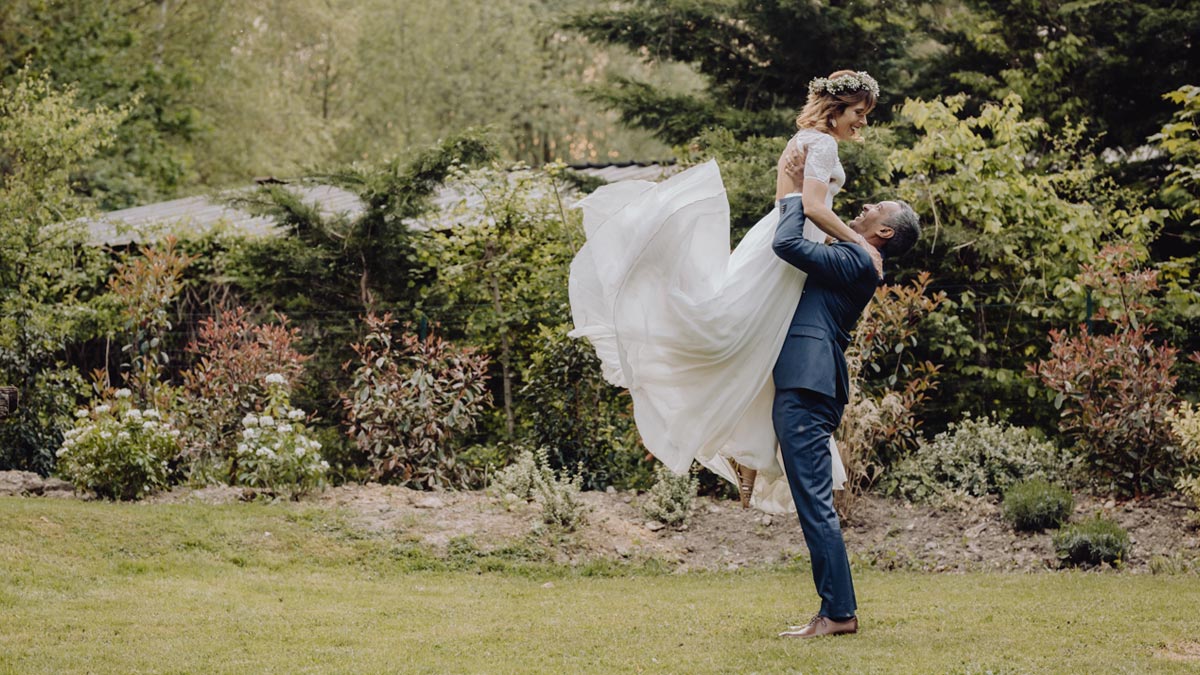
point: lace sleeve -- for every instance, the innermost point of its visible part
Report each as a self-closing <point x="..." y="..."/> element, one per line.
<point x="822" y="158"/>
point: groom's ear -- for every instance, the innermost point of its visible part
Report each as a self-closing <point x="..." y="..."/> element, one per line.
<point x="885" y="232"/>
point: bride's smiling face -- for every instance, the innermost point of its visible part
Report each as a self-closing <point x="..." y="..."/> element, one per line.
<point x="853" y="118"/>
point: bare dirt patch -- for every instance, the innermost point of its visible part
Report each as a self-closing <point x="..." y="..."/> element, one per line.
<point x="884" y="533"/>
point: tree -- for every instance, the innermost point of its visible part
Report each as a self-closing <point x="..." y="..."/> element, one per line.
<point x="502" y="253"/>
<point x="1006" y="232"/>
<point x="1107" y="61"/>
<point x="109" y="53"/>
<point x="48" y="278"/>
<point x="756" y="55"/>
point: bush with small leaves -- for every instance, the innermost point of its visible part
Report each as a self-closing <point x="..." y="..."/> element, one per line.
<point x="1185" y="426"/>
<point x="561" y="498"/>
<point x="1092" y="542"/>
<point x="519" y="478"/>
<point x="117" y="450"/>
<point x="1035" y="505"/>
<point x="670" y="500"/>
<point x="410" y="402"/>
<point x="530" y="477"/>
<point x="277" y="451"/>
<point x="977" y="456"/>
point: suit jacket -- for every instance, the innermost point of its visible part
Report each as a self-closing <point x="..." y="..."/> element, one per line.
<point x="841" y="281"/>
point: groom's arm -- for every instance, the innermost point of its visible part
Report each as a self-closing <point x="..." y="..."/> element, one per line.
<point x="842" y="264"/>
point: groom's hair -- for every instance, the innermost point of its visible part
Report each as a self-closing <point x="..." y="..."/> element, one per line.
<point x="906" y="228"/>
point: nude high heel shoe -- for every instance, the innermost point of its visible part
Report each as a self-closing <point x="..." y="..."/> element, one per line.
<point x="746" y="477"/>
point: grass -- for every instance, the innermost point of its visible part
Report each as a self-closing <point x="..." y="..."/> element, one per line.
<point x="123" y="588"/>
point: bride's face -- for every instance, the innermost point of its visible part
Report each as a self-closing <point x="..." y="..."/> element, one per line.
<point x="852" y="119"/>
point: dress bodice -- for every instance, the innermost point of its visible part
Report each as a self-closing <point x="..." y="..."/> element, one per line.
<point x="821" y="162"/>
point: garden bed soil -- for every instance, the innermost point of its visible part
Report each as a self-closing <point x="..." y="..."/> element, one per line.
<point x="967" y="534"/>
<point x="882" y="533"/>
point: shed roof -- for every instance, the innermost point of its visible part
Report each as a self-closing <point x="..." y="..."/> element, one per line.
<point x="203" y="213"/>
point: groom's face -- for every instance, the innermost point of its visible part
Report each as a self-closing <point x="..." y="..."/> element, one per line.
<point x="872" y="220"/>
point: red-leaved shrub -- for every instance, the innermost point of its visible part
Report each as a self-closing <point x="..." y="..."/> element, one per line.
<point x="1115" y="390"/>
<point x="409" y="400"/>
<point x="234" y="357"/>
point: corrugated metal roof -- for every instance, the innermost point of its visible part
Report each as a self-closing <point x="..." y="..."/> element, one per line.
<point x="202" y="214"/>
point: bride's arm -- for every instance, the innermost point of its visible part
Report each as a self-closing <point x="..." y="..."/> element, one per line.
<point x="814" y="193"/>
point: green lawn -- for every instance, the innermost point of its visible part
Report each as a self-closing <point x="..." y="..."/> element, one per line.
<point x="119" y="588"/>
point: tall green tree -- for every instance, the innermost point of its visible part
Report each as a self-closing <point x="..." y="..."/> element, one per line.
<point x="48" y="278"/>
<point x="757" y="57"/>
<point x="110" y="53"/>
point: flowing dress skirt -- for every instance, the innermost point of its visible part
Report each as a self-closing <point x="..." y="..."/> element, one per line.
<point x="692" y="330"/>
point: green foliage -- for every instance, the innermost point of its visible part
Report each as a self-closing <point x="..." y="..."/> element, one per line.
<point x="501" y="252"/>
<point x="569" y="408"/>
<point x="757" y="76"/>
<point x="234" y="355"/>
<point x="1185" y="426"/>
<point x="1005" y="235"/>
<point x="669" y="501"/>
<point x="277" y="451"/>
<point x="520" y="477"/>
<point x="530" y="477"/>
<point x="117" y="450"/>
<point x="111" y="54"/>
<point x="409" y="401"/>
<point x="1115" y="390"/>
<point x="1105" y="61"/>
<point x="1035" y="505"/>
<point x="1092" y="542"/>
<point x="47" y="277"/>
<point x="1180" y="139"/>
<point x="977" y="456"/>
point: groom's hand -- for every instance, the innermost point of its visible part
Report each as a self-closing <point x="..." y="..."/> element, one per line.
<point x="790" y="169"/>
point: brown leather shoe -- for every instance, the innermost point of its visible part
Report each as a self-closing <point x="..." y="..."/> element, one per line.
<point x="822" y="625"/>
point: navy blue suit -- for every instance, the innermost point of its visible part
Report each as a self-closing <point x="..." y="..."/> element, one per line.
<point x="811" y="390"/>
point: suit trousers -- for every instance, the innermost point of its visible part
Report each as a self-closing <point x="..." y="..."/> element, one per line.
<point x="804" y="421"/>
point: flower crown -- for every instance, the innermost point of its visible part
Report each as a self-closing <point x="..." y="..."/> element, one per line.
<point x="844" y="84"/>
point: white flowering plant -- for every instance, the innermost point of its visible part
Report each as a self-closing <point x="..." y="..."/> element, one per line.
<point x="1185" y="425"/>
<point x="117" y="450"/>
<point x="276" y="450"/>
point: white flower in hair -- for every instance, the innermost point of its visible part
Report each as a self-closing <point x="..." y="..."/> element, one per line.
<point x="844" y="84"/>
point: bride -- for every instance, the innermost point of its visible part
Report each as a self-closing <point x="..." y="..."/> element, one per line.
<point x="692" y="330"/>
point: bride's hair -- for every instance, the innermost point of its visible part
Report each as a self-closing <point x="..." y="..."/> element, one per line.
<point x="823" y="105"/>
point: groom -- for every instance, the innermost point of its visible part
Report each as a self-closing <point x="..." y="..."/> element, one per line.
<point x="811" y="380"/>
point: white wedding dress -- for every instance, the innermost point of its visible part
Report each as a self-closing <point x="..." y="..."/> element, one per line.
<point x="692" y="330"/>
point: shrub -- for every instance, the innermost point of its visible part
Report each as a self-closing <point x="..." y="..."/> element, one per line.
<point x="277" y="451"/>
<point x="1092" y="542"/>
<point x="1185" y="425"/>
<point x="228" y="382"/>
<point x="583" y="418"/>
<point x="560" y="495"/>
<point x="1115" y="390"/>
<point x="519" y="478"/>
<point x="881" y="417"/>
<point x="1035" y="505"/>
<point x="117" y="450"/>
<point x="976" y="456"/>
<point x="670" y="500"/>
<point x="530" y="477"/>
<point x="408" y="402"/>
